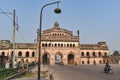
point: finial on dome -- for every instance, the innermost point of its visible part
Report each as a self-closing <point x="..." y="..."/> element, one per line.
<point x="56" y="25"/>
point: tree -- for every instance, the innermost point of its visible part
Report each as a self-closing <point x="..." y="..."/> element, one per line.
<point x="116" y="56"/>
<point x="116" y="53"/>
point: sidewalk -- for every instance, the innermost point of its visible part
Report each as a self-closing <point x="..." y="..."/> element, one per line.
<point x="35" y="78"/>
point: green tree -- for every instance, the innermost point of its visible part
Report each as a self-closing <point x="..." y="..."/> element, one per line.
<point x="115" y="56"/>
<point x="116" y="53"/>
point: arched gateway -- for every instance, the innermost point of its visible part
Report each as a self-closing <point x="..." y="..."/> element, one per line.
<point x="59" y="43"/>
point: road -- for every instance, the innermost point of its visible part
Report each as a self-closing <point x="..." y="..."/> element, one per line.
<point x="83" y="72"/>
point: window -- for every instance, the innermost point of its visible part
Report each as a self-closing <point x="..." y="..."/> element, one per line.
<point x="70" y="45"/>
<point x="100" y="61"/>
<point x="94" y="54"/>
<point x="55" y="45"/>
<point x="82" y="62"/>
<point x="19" y="54"/>
<point x="105" y="54"/>
<point x="49" y="44"/>
<point x="12" y="53"/>
<point x="33" y="54"/>
<point x="58" y="45"/>
<point x="67" y="45"/>
<point x="3" y="53"/>
<point x="43" y="45"/>
<point x="61" y="45"/>
<point x="99" y="54"/>
<point x="27" y="54"/>
<point x="87" y="54"/>
<point x="82" y="54"/>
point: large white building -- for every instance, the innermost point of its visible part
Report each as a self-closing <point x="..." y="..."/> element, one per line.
<point x="57" y="45"/>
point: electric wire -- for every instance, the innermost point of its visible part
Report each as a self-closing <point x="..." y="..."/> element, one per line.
<point x="5" y="13"/>
<point x="22" y="35"/>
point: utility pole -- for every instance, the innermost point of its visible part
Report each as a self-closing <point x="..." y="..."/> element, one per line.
<point x="14" y="28"/>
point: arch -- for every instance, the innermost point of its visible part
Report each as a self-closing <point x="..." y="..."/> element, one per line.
<point x="33" y="54"/>
<point x="58" y="58"/>
<point x="49" y="44"/>
<point x="43" y="45"/>
<point x="82" y="62"/>
<point x="55" y="45"/>
<point x="87" y="54"/>
<point x="70" y="58"/>
<point x="46" y="58"/>
<point x="99" y="53"/>
<point x="94" y="55"/>
<point x="82" y="54"/>
<point x="61" y="45"/>
<point x="100" y="61"/>
<point x="19" y="54"/>
<point x="27" y="54"/>
<point x="105" y="54"/>
<point x="73" y="45"/>
<point x="58" y="44"/>
<point x="12" y="53"/>
<point x="88" y="62"/>
<point x="94" y="62"/>
<point x="67" y="45"/>
<point x="3" y="54"/>
<point x="70" y="45"/>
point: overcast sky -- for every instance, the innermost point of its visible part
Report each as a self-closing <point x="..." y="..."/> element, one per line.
<point x="97" y="20"/>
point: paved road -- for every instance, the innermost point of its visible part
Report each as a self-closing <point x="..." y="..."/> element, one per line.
<point x="84" y="72"/>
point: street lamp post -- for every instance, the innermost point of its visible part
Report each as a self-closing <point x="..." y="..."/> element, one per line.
<point x="57" y="10"/>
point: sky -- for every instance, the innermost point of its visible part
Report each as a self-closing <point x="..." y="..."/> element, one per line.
<point x="97" y="20"/>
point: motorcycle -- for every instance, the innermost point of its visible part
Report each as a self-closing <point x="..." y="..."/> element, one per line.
<point x="108" y="70"/>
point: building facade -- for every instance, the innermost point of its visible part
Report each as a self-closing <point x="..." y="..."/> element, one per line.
<point x="57" y="45"/>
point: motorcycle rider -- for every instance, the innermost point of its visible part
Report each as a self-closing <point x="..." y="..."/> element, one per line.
<point x="107" y="67"/>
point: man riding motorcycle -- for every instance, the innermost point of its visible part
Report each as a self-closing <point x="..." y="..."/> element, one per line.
<point x="108" y="68"/>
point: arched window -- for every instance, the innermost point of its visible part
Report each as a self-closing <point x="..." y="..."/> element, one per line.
<point x="82" y="54"/>
<point x="100" y="61"/>
<point x="49" y="44"/>
<point x="3" y="53"/>
<point x="70" y="45"/>
<point x="87" y="54"/>
<point x="19" y="54"/>
<point x="105" y="54"/>
<point x="58" y="45"/>
<point x="43" y="45"/>
<point x="27" y="54"/>
<point x="67" y="45"/>
<point x="33" y="54"/>
<point x="55" y="45"/>
<point x="94" y="54"/>
<point x="12" y="53"/>
<point x="82" y="62"/>
<point x="99" y="54"/>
